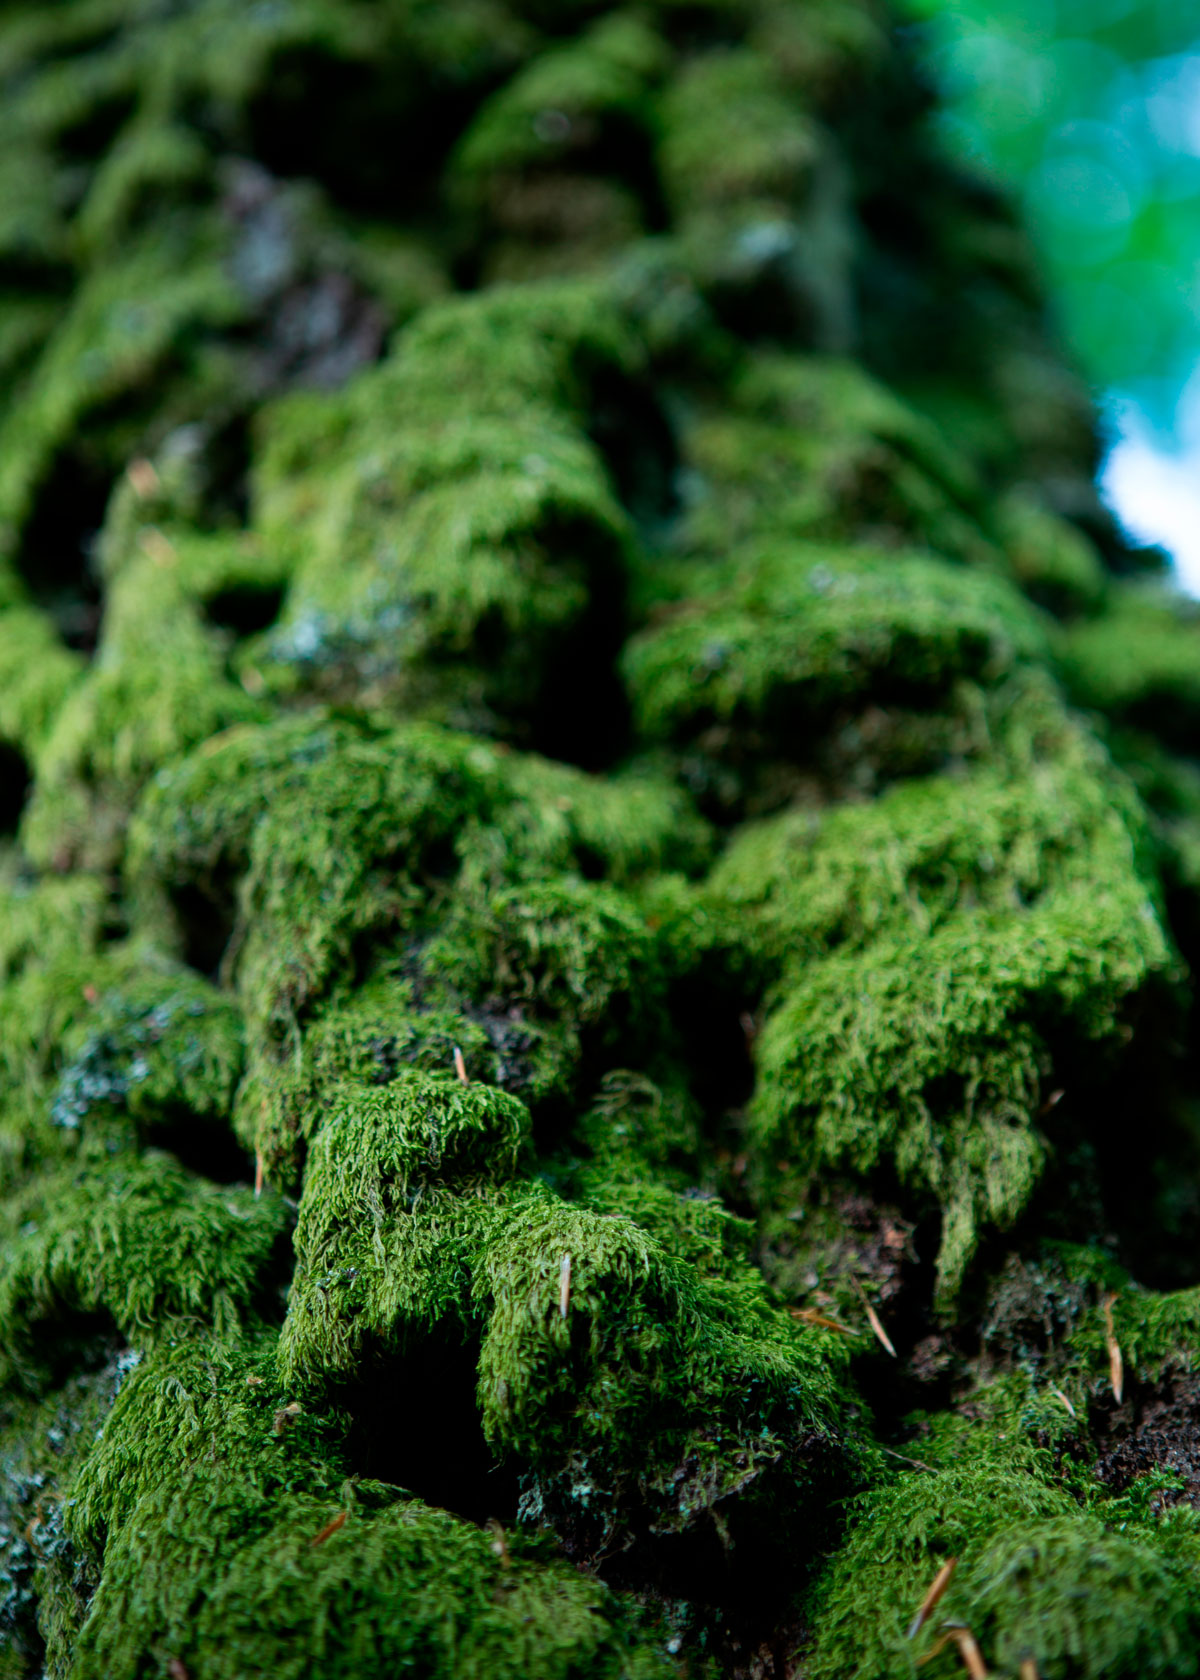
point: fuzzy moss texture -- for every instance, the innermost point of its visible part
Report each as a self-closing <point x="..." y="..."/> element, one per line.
<point x="588" y="801"/>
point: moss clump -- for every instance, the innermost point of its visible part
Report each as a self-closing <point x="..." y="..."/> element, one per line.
<point x="165" y="1058"/>
<point x="554" y="167"/>
<point x="796" y="632"/>
<point x="1053" y="561"/>
<point x="939" y="953"/>
<point x="157" y="688"/>
<point x="138" y="1244"/>
<point x="1136" y="662"/>
<point x="1036" y="1579"/>
<point x="1071" y="1516"/>
<point x="812" y="447"/>
<point x="250" y="1503"/>
<point x="637" y="1393"/>
<point x="452" y="872"/>
<point x="593" y="1061"/>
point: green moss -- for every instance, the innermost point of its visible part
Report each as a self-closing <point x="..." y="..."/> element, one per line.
<point x="36" y="674"/>
<point x="636" y="1128"/>
<point x="1036" y="1579"/>
<point x="310" y="870"/>
<point x="730" y="135"/>
<point x="452" y="867"/>
<point x="1156" y="1331"/>
<point x="1054" y="1563"/>
<point x="44" y="1581"/>
<point x="165" y="1050"/>
<point x="1137" y="662"/>
<point x="156" y="689"/>
<point x="813" y="447"/>
<point x="929" y="1053"/>
<point x="938" y="952"/>
<point x="827" y="53"/>
<point x="781" y="636"/>
<point x="1002" y="835"/>
<point x="49" y="969"/>
<point x="574" y="954"/>
<point x="459" y="542"/>
<point x="117" y="338"/>
<point x="140" y="1242"/>
<point x="1052" y="561"/>
<point x="602" y="76"/>
<point x="246" y="1524"/>
<point x="648" y="1370"/>
<point x="870" y="1595"/>
<point x="1087" y="1600"/>
<point x="704" y="1377"/>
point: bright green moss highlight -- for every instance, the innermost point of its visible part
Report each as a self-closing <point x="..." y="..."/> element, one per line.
<point x="728" y="1390"/>
<point x="331" y="841"/>
<point x="576" y="952"/>
<point x="930" y="1052"/>
<point x="1004" y="834"/>
<point x="650" y="1372"/>
<point x="937" y="951"/>
<point x="1158" y="1331"/>
<point x="36" y="674"/>
<point x="50" y="932"/>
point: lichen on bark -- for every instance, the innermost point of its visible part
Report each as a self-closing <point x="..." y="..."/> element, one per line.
<point x="599" y="873"/>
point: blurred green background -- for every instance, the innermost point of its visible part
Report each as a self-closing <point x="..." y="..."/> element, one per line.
<point x="1090" y="109"/>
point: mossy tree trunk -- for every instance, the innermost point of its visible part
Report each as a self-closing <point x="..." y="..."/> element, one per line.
<point x="600" y="863"/>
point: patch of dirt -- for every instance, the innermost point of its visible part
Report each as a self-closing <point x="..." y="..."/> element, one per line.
<point x="1031" y="1308"/>
<point x="1157" y="1427"/>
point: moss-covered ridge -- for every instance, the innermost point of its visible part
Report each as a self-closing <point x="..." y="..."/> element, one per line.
<point x="590" y="809"/>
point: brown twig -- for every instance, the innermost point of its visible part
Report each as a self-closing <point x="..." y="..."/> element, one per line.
<point x="874" y="1320"/>
<point x="933" y="1597"/>
<point x="499" y="1543"/>
<point x="972" y="1657"/>
<point x="142" y="477"/>
<point x="1116" y="1365"/>
<point x="1060" y="1396"/>
<point x="917" y="1463"/>
<point x="331" y="1527"/>
<point x="157" y="547"/>
<point x="286" y="1415"/>
<point x="564" y="1285"/>
<point x="810" y="1315"/>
